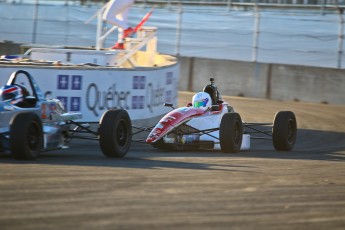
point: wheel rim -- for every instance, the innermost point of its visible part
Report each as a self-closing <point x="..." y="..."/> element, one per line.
<point x="33" y="137"/>
<point x="291" y="132"/>
<point x="121" y="133"/>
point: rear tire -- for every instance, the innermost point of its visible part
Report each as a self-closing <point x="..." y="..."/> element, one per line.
<point x="230" y="133"/>
<point x="284" y="131"/>
<point x="115" y="133"/>
<point x="26" y="136"/>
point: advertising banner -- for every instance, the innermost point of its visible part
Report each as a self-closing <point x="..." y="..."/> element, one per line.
<point x="94" y="91"/>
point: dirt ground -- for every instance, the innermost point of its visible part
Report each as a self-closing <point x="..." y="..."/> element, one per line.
<point x="79" y="188"/>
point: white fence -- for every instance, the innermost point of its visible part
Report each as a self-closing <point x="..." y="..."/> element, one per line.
<point x="266" y="33"/>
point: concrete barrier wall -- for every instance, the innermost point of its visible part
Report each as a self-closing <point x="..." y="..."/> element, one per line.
<point x="262" y="80"/>
<point x="8" y="48"/>
<point x="310" y="84"/>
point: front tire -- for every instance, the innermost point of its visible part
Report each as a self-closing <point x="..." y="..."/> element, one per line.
<point x="284" y="131"/>
<point x="26" y="136"/>
<point x="230" y="133"/>
<point x="115" y="133"/>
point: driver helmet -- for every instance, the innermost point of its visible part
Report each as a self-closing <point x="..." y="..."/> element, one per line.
<point x="202" y="100"/>
<point x="13" y="93"/>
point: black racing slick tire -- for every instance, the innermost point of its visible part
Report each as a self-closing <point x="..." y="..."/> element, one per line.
<point x="230" y="133"/>
<point x="284" y="131"/>
<point x="115" y="133"/>
<point x="26" y="136"/>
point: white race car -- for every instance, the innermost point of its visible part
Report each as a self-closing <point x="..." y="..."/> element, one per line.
<point x="210" y="123"/>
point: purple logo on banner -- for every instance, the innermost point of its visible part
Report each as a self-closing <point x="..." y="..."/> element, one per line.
<point x="134" y="102"/>
<point x="63" y="101"/>
<point x="75" y="104"/>
<point x="139" y="82"/>
<point x="169" y="78"/>
<point x="138" y="102"/>
<point x="76" y="82"/>
<point x="136" y="82"/>
<point x="141" y="102"/>
<point x="142" y="82"/>
<point x="62" y="82"/>
<point x="168" y="96"/>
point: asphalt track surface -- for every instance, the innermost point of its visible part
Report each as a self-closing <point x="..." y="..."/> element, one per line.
<point x="79" y="188"/>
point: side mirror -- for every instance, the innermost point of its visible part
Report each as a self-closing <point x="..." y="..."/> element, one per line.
<point x="166" y="104"/>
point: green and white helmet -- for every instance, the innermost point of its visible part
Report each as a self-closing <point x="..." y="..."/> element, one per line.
<point x="202" y="100"/>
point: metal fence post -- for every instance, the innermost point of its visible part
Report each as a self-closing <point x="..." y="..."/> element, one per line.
<point x="35" y="19"/>
<point x="99" y="41"/>
<point x="340" y="36"/>
<point x="322" y="8"/>
<point x="178" y="30"/>
<point x="256" y="34"/>
<point x="229" y="5"/>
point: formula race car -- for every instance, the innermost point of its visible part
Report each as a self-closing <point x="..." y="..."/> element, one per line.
<point x="30" y="123"/>
<point x="210" y="123"/>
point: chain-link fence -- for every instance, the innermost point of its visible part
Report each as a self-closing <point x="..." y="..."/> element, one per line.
<point x="248" y="32"/>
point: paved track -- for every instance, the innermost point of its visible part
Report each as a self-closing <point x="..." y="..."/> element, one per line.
<point x="79" y="188"/>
